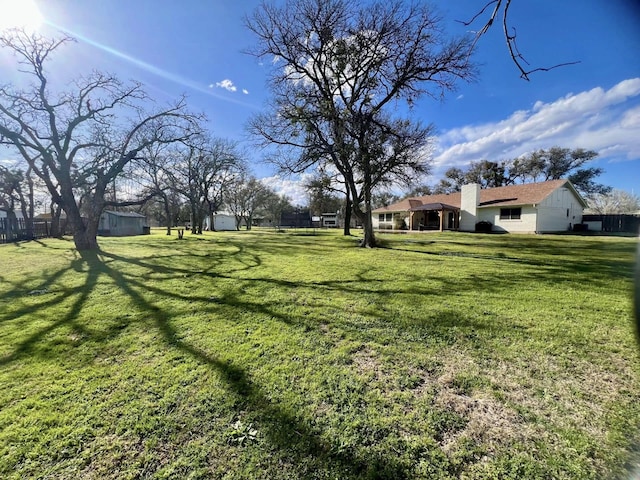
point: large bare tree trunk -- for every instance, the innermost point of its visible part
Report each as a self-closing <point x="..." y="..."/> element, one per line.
<point x="31" y="206"/>
<point x="167" y="212"/>
<point x="12" y="224"/>
<point x="347" y="215"/>
<point x="369" y="239"/>
<point x="56" y="212"/>
<point x="84" y="240"/>
<point x="85" y="231"/>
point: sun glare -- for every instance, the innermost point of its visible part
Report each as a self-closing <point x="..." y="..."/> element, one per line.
<point x="20" y="14"/>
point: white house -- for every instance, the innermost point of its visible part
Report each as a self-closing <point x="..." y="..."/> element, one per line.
<point x="552" y="206"/>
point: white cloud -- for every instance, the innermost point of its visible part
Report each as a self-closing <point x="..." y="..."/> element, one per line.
<point x="293" y="188"/>
<point x="606" y="121"/>
<point x="227" y="85"/>
<point x="245" y="91"/>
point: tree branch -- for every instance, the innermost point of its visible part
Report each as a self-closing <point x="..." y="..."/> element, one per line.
<point x="510" y="38"/>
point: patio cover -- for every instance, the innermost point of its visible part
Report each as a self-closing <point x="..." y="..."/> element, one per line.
<point x="434" y="206"/>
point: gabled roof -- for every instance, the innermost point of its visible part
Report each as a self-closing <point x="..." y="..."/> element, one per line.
<point x="511" y="195"/>
<point x="125" y="214"/>
<point x="415" y="202"/>
<point x="526" y="194"/>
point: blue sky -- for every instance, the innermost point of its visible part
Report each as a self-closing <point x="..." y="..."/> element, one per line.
<point x="195" y="47"/>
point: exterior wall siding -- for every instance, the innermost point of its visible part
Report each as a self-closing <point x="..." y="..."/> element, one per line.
<point x="120" y="226"/>
<point x="559" y="212"/>
<point x="525" y="224"/>
<point x="224" y="222"/>
<point x="128" y="226"/>
<point x="398" y="221"/>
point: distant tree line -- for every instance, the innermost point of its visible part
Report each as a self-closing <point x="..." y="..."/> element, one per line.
<point x="554" y="163"/>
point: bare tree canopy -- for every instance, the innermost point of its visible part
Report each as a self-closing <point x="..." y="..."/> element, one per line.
<point x="322" y="195"/>
<point x="204" y="171"/>
<point x="339" y="72"/>
<point x="245" y="197"/>
<point x="501" y="7"/>
<point x="79" y="141"/>
<point x="613" y="202"/>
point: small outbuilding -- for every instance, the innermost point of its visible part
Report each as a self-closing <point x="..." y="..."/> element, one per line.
<point x="220" y="221"/>
<point x="122" y="224"/>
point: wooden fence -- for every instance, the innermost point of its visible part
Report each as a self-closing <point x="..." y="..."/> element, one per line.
<point x="16" y="230"/>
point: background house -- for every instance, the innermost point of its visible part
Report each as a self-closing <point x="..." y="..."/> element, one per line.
<point x="331" y="220"/>
<point x="120" y="224"/>
<point x="552" y="206"/>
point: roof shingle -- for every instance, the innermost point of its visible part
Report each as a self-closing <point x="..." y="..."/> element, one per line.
<point x="526" y="194"/>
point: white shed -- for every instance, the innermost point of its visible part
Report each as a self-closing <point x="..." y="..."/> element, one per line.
<point x="221" y="221"/>
<point x="121" y="224"/>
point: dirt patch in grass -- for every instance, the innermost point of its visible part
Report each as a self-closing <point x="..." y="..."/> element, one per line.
<point x="488" y="422"/>
<point x="460" y="388"/>
<point x="537" y="403"/>
<point x="367" y="363"/>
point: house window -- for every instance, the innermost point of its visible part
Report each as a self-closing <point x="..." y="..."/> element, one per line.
<point x="510" y="213"/>
<point x="385" y="217"/>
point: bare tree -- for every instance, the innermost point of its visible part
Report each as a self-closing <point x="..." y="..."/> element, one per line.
<point x="323" y="190"/>
<point x="274" y="205"/>
<point x="613" y="202"/>
<point x="245" y="198"/>
<point x="203" y="175"/>
<point x="339" y="70"/>
<point x="154" y="171"/>
<point x="79" y="141"/>
<point x="501" y="7"/>
<point x="14" y="193"/>
<point x="322" y="195"/>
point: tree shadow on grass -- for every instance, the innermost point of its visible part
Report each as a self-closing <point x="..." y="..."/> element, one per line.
<point x="179" y="261"/>
<point x="69" y="319"/>
<point x="294" y="440"/>
<point x="287" y="433"/>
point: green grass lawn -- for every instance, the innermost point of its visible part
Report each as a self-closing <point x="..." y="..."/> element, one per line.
<point x="291" y="355"/>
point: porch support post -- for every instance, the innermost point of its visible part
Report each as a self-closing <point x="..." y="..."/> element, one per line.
<point x="441" y="218"/>
<point x="410" y="221"/>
